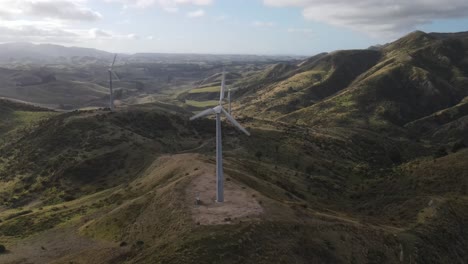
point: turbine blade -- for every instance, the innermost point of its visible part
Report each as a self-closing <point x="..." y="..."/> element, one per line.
<point x="203" y="113"/>
<point x="115" y="75"/>
<point x="234" y="122"/>
<point x="115" y="57"/>
<point x="223" y="84"/>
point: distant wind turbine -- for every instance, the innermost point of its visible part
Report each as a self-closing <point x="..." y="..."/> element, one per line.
<point x="218" y="110"/>
<point x="229" y="94"/>
<point x="223" y="84"/>
<point x="111" y="72"/>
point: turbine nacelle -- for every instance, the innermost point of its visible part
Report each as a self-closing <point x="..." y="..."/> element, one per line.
<point x="218" y="109"/>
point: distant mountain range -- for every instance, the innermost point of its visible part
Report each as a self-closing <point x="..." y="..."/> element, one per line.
<point x="24" y="52"/>
<point x="45" y="53"/>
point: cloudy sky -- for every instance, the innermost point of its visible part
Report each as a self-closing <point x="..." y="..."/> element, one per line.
<point x="302" y="27"/>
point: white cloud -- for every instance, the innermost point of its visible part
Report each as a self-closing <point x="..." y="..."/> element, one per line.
<point x="96" y="33"/>
<point x="50" y="9"/>
<point x="193" y="2"/>
<point x="171" y="6"/>
<point x="55" y="31"/>
<point x="263" y="24"/>
<point x="35" y="31"/>
<point x="377" y="17"/>
<point x="196" y="13"/>
<point x="99" y="33"/>
<point x="133" y="36"/>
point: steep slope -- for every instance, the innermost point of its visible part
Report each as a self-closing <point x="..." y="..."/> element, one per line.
<point x="446" y="126"/>
<point x="312" y="81"/>
<point x="417" y="68"/>
<point x="208" y="89"/>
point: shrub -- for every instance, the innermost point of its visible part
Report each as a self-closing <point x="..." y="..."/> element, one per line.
<point x="441" y="152"/>
<point x="258" y="154"/>
<point x="395" y="156"/>
<point x="458" y="145"/>
<point x="296" y="165"/>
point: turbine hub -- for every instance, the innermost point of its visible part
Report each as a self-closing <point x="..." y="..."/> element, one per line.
<point x="218" y="109"/>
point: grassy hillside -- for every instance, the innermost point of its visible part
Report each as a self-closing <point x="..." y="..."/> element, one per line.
<point x="310" y="82"/>
<point x="121" y="187"/>
<point x="80" y="152"/>
<point x="424" y="71"/>
<point x="354" y="157"/>
<point x="18" y="118"/>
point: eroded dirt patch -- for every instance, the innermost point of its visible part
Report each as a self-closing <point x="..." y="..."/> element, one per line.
<point x="240" y="202"/>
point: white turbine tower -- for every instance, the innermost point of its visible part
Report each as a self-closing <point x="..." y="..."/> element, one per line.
<point x="218" y="110"/>
<point x="111" y="91"/>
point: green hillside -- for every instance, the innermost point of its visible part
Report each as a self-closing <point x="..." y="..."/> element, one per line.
<point x="422" y="72"/>
<point x="308" y="83"/>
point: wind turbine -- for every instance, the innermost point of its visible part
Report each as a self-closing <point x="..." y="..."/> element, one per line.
<point x="229" y="93"/>
<point x="111" y="72"/>
<point x="218" y="110"/>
